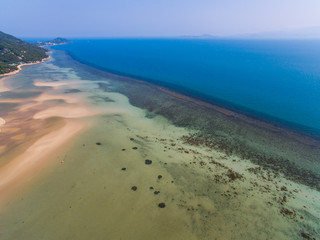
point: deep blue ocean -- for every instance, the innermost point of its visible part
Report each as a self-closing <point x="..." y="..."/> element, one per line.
<point x="278" y="80"/>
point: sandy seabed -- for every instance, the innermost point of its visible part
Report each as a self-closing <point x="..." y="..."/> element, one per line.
<point x="73" y="166"/>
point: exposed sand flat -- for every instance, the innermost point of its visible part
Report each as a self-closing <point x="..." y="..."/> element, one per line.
<point x="76" y="107"/>
<point x="21" y="131"/>
<point x="46" y="97"/>
<point x="58" y="84"/>
<point x="11" y="101"/>
<point x="2" y="122"/>
<point x="66" y="112"/>
<point x="3" y="88"/>
<point x="49" y="84"/>
<point x="34" y="158"/>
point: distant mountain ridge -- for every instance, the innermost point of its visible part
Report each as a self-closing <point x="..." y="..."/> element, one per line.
<point x="14" y="51"/>
<point x="301" y="33"/>
<point x="203" y="36"/>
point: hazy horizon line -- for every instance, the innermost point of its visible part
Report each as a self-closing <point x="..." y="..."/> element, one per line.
<point x="296" y="33"/>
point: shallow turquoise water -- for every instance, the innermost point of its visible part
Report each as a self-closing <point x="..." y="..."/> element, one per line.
<point x="277" y="80"/>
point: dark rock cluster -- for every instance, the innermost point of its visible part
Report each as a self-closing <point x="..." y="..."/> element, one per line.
<point x="148" y="162"/>
<point x="161" y="205"/>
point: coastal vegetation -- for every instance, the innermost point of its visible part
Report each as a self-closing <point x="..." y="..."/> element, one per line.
<point x="14" y="52"/>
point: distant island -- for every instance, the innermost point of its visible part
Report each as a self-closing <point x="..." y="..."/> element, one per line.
<point x="203" y="36"/>
<point x="56" y="41"/>
<point x="296" y="33"/>
<point x="14" y="52"/>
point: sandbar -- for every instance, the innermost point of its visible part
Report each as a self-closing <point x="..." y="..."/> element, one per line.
<point x="34" y="158"/>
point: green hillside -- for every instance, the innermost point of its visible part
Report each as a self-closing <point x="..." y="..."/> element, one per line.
<point x="14" y="51"/>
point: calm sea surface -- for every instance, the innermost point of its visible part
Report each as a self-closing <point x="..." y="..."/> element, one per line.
<point x="275" y="79"/>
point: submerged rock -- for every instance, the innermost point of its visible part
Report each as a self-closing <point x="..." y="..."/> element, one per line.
<point x="147" y="162"/>
<point x="161" y="205"/>
<point x="306" y="236"/>
<point x="288" y="212"/>
<point x="233" y="175"/>
<point x="73" y="90"/>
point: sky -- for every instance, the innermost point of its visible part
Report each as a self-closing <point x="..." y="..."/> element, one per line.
<point x="154" y="18"/>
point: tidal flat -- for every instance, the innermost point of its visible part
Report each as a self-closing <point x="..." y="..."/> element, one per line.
<point x="141" y="162"/>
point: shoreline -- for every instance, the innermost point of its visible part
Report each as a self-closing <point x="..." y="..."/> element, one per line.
<point x="20" y="67"/>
